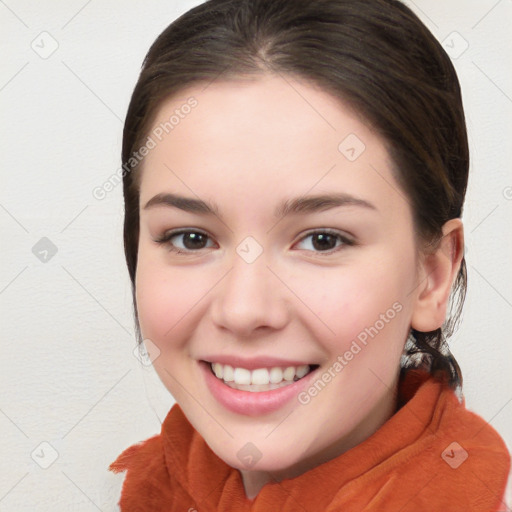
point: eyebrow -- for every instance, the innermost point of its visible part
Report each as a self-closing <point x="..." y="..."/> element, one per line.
<point x="298" y="205"/>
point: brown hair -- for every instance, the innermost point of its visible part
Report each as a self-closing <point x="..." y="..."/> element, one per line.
<point x="374" y="55"/>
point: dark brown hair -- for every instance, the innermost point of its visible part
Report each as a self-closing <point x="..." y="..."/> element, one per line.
<point x="374" y="55"/>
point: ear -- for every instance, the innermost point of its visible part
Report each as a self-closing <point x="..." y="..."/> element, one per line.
<point x="438" y="271"/>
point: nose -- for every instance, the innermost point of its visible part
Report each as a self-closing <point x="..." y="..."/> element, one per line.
<point x="250" y="298"/>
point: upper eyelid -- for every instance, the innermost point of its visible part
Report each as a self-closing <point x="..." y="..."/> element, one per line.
<point x="331" y="231"/>
<point x="166" y="235"/>
<point x="179" y="231"/>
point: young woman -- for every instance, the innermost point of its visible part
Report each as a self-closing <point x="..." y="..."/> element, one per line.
<point x="294" y="177"/>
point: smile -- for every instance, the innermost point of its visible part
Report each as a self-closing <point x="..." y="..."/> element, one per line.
<point x="253" y="392"/>
<point x="259" y="379"/>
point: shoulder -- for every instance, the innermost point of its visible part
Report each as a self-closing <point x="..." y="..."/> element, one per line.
<point x="153" y="480"/>
<point x="507" y="496"/>
<point x="140" y="456"/>
<point x="146" y="485"/>
<point x="461" y="455"/>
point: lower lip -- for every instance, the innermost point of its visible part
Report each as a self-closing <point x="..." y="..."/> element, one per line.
<point x="251" y="403"/>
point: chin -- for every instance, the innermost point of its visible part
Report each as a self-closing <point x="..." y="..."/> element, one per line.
<point x="255" y="456"/>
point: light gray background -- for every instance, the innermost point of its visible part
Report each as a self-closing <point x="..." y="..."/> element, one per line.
<point x="68" y="377"/>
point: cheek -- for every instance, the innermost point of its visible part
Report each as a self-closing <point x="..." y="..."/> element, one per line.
<point x="165" y="300"/>
<point x="361" y="302"/>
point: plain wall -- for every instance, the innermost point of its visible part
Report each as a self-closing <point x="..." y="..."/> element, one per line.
<point x="68" y="376"/>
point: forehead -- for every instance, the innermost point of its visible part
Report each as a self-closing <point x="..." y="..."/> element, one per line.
<point x="262" y="137"/>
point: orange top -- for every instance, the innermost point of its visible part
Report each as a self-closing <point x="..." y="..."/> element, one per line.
<point x="431" y="455"/>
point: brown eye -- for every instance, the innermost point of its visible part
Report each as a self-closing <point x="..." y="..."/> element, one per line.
<point x="192" y="240"/>
<point x="324" y="241"/>
<point x="184" y="240"/>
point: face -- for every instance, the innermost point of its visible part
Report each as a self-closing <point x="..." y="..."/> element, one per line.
<point x="274" y="235"/>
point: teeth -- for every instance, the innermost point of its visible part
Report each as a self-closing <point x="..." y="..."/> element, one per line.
<point x="260" y="376"/>
<point x="276" y="375"/>
<point x="218" y="370"/>
<point x="242" y="376"/>
<point x="289" y="373"/>
<point x="302" y="370"/>
<point x="229" y="373"/>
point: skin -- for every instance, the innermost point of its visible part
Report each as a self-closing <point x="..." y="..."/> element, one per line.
<point x="248" y="145"/>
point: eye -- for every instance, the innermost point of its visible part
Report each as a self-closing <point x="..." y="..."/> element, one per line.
<point x="184" y="240"/>
<point x="325" y="240"/>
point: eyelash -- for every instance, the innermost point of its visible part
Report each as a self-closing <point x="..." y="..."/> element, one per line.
<point x="166" y="237"/>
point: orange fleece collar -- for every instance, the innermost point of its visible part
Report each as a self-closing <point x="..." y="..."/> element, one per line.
<point x="413" y="463"/>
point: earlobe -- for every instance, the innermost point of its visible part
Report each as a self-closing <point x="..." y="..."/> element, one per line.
<point x="438" y="272"/>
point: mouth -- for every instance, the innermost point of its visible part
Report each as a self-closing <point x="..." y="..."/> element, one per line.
<point x="259" y="379"/>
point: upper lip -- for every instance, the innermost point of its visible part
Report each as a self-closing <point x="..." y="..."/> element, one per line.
<point x="253" y="363"/>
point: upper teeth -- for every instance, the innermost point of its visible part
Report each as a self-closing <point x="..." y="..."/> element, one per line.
<point x="260" y="375"/>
